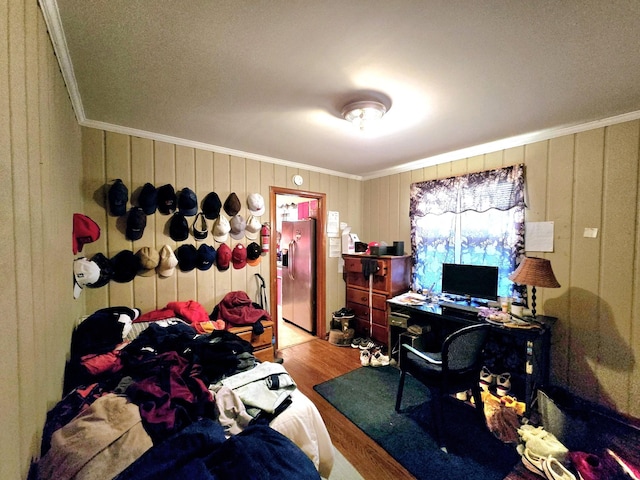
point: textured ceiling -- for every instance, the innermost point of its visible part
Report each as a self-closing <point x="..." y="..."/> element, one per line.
<point x="267" y="79"/>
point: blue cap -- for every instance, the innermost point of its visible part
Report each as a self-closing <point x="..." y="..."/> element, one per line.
<point x="188" y="202"/>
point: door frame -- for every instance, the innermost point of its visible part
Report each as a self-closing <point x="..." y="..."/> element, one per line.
<point x="321" y="260"/>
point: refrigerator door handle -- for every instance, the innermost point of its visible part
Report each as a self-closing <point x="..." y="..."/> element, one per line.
<point x="292" y="261"/>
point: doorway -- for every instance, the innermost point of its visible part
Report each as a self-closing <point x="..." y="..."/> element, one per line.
<point x="277" y="197"/>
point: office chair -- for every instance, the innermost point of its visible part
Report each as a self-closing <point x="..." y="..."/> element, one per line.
<point x="455" y="369"/>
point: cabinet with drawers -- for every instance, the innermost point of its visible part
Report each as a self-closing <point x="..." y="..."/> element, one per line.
<point x="368" y="298"/>
<point x="262" y="344"/>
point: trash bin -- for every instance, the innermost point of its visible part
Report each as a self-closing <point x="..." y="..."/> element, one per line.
<point x="564" y="415"/>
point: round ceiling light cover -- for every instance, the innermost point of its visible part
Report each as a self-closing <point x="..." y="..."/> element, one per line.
<point x="363" y="112"/>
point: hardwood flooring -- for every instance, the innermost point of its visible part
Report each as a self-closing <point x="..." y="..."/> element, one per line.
<point x="317" y="361"/>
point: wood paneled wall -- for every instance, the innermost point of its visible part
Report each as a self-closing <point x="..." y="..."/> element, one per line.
<point x="579" y="181"/>
<point x="108" y="156"/>
<point x="41" y="173"/>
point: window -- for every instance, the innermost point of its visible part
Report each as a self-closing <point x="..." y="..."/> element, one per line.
<point x="475" y="219"/>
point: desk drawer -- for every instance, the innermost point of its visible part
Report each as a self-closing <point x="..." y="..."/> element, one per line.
<point x="362" y="297"/>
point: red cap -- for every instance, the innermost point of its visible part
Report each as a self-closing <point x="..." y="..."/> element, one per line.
<point x="223" y="257"/>
<point x="239" y="256"/>
<point x="85" y="230"/>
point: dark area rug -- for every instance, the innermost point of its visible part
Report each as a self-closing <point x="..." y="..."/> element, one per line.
<point x="366" y="396"/>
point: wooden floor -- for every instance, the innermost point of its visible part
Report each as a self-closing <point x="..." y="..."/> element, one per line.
<point x="317" y="361"/>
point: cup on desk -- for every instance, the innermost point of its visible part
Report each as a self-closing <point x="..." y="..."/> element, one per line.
<point x="505" y="304"/>
<point x="517" y="309"/>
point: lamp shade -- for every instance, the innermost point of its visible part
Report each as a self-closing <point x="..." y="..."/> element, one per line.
<point x="536" y="272"/>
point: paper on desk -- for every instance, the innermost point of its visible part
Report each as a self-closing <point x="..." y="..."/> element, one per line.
<point x="409" y="298"/>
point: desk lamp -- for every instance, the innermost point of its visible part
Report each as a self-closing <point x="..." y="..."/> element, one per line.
<point x="536" y="272"/>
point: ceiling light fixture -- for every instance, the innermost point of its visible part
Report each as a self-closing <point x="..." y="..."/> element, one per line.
<point x="363" y="113"/>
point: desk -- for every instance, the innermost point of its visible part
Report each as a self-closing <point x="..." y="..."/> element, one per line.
<point x="522" y="352"/>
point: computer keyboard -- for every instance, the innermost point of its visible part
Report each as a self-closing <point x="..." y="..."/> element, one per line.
<point x="458" y="306"/>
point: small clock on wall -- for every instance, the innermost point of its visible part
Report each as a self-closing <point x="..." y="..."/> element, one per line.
<point x="297" y="180"/>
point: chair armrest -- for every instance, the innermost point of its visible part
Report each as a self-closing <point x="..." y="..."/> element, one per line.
<point x="423" y="355"/>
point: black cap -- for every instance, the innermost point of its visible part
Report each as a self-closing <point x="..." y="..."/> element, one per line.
<point x="211" y="206"/>
<point x="118" y="197"/>
<point x="187" y="257"/>
<point x="136" y="222"/>
<point x="166" y="199"/>
<point x="200" y="228"/>
<point x="106" y="270"/>
<point x="232" y="205"/>
<point x="206" y="257"/>
<point x="253" y="251"/>
<point x="188" y="202"/>
<point x="179" y="228"/>
<point x="125" y="266"/>
<point x="148" y="199"/>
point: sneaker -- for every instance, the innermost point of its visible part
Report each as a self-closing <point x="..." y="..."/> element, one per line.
<point x="355" y="343"/>
<point x="366" y="344"/>
<point x="554" y="470"/>
<point x="532" y="462"/>
<point x="379" y="360"/>
<point x="547" y="445"/>
<point x="504" y="384"/>
<point x="486" y="379"/>
<point x="365" y="358"/>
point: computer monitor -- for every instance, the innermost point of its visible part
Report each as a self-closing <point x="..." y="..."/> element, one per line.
<point x="470" y="281"/>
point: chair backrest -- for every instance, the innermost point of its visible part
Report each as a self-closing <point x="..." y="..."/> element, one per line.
<point x="463" y="348"/>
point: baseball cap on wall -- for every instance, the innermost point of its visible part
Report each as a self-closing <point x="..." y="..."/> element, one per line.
<point x="118" y="196"/>
<point x="187" y="257"/>
<point x="211" y="206"/>
<point x="239" y="256"/>
<point x="232" y="204"/>
<point x="223" y="257"/>
<point x="106" y="271"/>
<point x="206" y="257"/>
<point x="255" y="204"/>
<point x="221" y="229"/>
<point x="200" y="227"/>
<point x="252" y="230"/>
<point x="125" y="266"/>
<point x="136" y="223"/>
<point x="85" y="231"/>
<point x="178" y="228"/>
<point x="85" y="273"/>
<point x="167" y="199"/>
<point x="253" y="254"/>
<point x="237" y="224"/>
<point x="148" y="199"/>
<point x="188" y="202"/>
<point x="168" y="262"/>
<point x="149" y="260"/>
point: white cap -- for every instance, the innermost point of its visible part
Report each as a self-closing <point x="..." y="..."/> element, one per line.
<point x="85" y="272"/>
<point x="252" y="230"/>
<point x="221" y="229"/>
<point x="238" y="224"/>
<point x="255" y="204"/>
<point x="168" y="262"/>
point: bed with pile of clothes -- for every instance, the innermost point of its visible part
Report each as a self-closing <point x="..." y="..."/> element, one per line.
<point x="173" y="394"/>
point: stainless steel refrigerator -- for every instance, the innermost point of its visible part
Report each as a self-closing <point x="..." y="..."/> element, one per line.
<point x="299" y="273"/>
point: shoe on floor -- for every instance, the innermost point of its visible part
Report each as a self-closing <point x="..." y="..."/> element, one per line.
<point x="366" y="344"/>
<point x="554" y="470"/>
<point x="355" y="343"/>
<point x="379" y="360"/>
<point x="365" y="358"/>
<point x="532" y="462"/>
